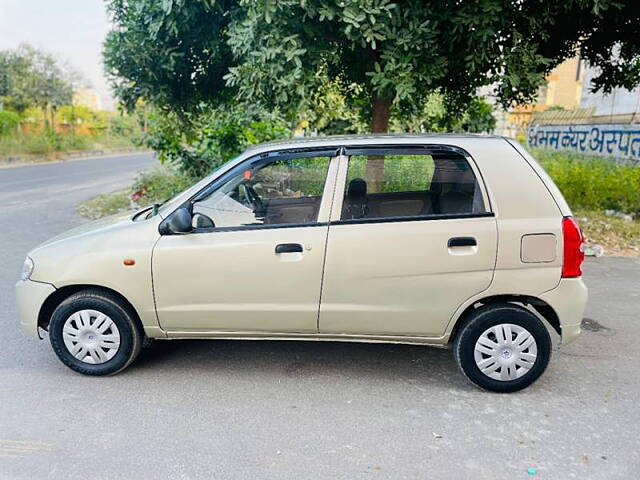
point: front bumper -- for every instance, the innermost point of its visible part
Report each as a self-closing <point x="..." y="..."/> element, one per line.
<point x="30" y="296"/>
<point x="569" y="300"/>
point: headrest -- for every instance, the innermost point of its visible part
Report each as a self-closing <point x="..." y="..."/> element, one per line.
<point x="357" y="188"/>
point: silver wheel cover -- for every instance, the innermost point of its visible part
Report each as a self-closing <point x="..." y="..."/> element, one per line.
<point x="91" y="336"/>
<point x="505" y="352"/>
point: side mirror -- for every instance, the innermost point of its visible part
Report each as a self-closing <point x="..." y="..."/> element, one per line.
<point x="180" y="221"/>
<point x="200" y="220"/>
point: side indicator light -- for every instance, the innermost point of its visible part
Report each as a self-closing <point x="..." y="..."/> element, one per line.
<point x="129" y="262"/>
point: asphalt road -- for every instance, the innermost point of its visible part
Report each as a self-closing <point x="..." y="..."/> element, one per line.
<point x="294" y="410"/>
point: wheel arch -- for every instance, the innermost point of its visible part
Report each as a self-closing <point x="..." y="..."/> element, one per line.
<point x="62" y="293"/>
<point x="536" y="305"/>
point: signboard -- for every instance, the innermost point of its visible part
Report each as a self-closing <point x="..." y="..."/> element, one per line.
<point x="616" y="141"/>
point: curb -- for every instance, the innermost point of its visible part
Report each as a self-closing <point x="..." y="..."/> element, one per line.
<point x="10" y="162"/>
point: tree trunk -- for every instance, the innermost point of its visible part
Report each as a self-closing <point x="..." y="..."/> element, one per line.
<point x="380" y="115"/>
<point x="375" y="163"/>
<point x="45" y="112"/>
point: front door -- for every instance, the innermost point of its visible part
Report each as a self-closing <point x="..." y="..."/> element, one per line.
<point x="253" y="262"/>
<point x="412" y="240"/>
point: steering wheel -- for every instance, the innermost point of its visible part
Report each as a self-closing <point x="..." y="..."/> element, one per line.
<point x="254" y="200"/>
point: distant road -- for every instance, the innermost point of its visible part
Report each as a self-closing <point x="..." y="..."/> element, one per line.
<point x="23" y="188"/>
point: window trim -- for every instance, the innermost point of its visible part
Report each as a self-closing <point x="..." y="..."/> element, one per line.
<point x="240" y="228"/>
<point x="390" y="149"/>
<point x="426" y="149"/>
<point x="412" y="218"/>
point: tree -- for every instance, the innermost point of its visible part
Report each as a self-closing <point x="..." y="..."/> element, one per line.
<point x="8" y="122"/>
<point x="172" y="53"/>
<point x="34" y="78"/>
<point x="478" y="118"/>
<point x="210" y="138"/>
<point x="388" y="56"/>
<point x="73" y="115"/>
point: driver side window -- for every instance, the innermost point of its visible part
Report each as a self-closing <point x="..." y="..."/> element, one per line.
<point x="276" y="193"/>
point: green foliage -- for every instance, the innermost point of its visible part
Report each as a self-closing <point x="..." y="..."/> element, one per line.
<point x="478" y="118"/>
<point x="31" y="77"/>
<point x="77" y="114"/>
<point x="210" y="139"/>
<point x="181" y="54"/>
<point x="434" y="117"/>
<point x="42" y="143"/>
<point x="119" y="125"/>
<point x="106" y="204"/>
<point x="8" y="122"/>
<point x="402" y="173"/>
<point x="593" y="183"/>
<point x="171" y="52"/>
<point x="154" y="185"/>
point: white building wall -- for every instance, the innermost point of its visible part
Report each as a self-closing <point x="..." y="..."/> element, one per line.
<point x="619" y="101"/>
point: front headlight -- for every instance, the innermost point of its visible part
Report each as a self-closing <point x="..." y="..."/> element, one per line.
<point x="27" y="269"/>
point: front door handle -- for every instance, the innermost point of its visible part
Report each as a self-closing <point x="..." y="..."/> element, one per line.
<point x="462" y="242"/>
<point x="289" y="248"/>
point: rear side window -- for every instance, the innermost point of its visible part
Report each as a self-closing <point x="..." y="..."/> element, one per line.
<point x="410" y="185"/>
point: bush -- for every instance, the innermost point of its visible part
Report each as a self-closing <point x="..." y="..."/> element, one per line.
<point x="46" y="143"/>
<point x="106" y="204"/>
<point x="158" y="184"/>
<point x="8" y="122"/>
<point x="593" y="183"/>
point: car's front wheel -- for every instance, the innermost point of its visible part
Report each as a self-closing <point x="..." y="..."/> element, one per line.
<point x="93" y="332"/>
<point x="502" y="348"/>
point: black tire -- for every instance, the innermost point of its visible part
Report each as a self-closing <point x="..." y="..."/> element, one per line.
<point x="131" y="336"/>
<point x="486" y="317"/>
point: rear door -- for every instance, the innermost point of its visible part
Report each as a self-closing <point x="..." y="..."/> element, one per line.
<point x="411" y="238"/>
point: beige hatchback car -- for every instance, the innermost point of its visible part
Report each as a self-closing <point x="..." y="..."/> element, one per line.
<point x="431" y="240"/>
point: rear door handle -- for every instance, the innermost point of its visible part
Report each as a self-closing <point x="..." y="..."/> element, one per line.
<point x="289" y="248"/>
<point x="462" y="242"/>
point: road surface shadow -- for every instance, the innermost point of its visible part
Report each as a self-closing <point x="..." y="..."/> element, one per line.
<point x="298" y="358"/>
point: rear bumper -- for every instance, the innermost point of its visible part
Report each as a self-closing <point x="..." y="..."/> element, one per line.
<point x="569" y="300"/>
<point x="30" y="296"/>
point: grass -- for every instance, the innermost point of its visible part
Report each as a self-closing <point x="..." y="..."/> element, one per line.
<point x="156" y="184"/>
<point x="106" y="204"/>
<point x="593" y="183"/>
<point x="44" y="145"/>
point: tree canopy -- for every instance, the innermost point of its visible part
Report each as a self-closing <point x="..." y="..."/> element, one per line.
<point x="386" y="57"/>
<point x="30" y="77"/>
<point x="173" y="53"/>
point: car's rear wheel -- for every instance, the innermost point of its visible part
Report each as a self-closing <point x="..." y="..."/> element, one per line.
<point x="502" y="348"/>
<point x="93" y="332"/>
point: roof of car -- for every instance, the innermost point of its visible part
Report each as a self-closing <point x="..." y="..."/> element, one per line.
<point x="331" y="140"/>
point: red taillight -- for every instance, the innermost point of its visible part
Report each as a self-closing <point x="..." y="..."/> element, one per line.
<point x="573" y="248"/>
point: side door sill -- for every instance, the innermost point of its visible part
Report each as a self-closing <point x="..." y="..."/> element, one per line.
<point x="329" y="337"/>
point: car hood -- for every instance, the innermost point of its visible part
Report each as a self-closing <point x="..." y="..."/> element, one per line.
<point x="97" y="226"/>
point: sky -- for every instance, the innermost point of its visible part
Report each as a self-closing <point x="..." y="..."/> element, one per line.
<point x="72" y="30"/>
